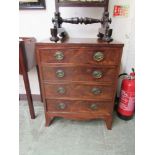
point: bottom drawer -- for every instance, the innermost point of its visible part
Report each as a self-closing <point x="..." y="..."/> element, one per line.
<point x="56" y="105"/>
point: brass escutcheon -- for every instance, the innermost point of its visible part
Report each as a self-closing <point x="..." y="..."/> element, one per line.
<point x="97" y="74"/>
<point x="61" y="106"/>
<point x="60" y="73"/>
<point x="98" y="56"/>
<point x="61" y="90"/>
<point x="59" y="55"/>
<point x="96" y="91"/>
<point x="93" y="106"/>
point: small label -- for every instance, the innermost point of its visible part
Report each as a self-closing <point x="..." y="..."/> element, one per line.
<point x="121" y="10"/>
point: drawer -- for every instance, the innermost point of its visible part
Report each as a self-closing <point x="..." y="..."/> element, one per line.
<point x="78" y="73"/>
<point x="103" y="56"/>
<point x="78" y="106"/>
<point x="84" y="91"/>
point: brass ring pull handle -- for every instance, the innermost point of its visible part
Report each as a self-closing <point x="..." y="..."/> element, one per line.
<point x="93" y="106"/>
<point x="97" y="74"/>
<point x="59" y="55"/>
<point x="61" y="90"/>
<point x="60" y="73"/>
<point x="98" y="56"/>
<point x="61" y="106"/>
<point x="96" y="91"/>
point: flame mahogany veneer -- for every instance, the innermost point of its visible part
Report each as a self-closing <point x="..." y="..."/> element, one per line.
<point x="79" y="78"/>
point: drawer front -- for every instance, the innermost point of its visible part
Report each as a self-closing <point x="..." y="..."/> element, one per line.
<point x="83" y="91"/>
<point x="108" y="56"/>
<point x="79" y="73"/>
<point x="78" y="106"/>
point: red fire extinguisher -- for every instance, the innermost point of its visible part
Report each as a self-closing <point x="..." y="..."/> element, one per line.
<point x="126" y="105"/>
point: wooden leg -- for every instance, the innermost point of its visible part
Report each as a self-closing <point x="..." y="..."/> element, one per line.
<point x="39" y="83"/>
<point x="108" y="122"/>
<point x="29" y="96"/>
<point x="48" y="120"/>
<point x="26" y="82"/>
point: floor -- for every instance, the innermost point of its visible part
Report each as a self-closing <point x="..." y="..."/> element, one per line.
<point x="67" y="137"/>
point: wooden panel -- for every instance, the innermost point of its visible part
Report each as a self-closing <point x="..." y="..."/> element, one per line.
<point x="78" y="106"/>
<point x="81" y="55"/>
<point x="77" y="43"/>
<point x="83" y="91"/>
<point x="78" y="73"/>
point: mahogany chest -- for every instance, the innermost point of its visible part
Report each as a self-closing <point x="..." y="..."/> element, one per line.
<point x="79" y="78"/>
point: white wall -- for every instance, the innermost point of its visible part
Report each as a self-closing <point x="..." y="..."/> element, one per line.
<point x="37" y="23"/>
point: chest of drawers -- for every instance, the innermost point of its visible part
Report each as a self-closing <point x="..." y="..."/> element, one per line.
<point x="79" y="78"/>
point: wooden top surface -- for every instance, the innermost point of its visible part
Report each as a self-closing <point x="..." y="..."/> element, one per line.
<point x="83" y="41"/>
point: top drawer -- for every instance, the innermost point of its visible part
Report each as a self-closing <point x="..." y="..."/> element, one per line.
<point x="102" y="56"/>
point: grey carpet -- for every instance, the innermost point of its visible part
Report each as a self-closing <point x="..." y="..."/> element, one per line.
<point x="68" y="137"/>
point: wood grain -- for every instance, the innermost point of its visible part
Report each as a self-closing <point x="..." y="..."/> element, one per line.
<point x="74" y="90"/>
<point x="81" y="55"/>
<point x="78" y="73"/>
<point x="78" y="106"/>
<point x="78" y="101"/>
